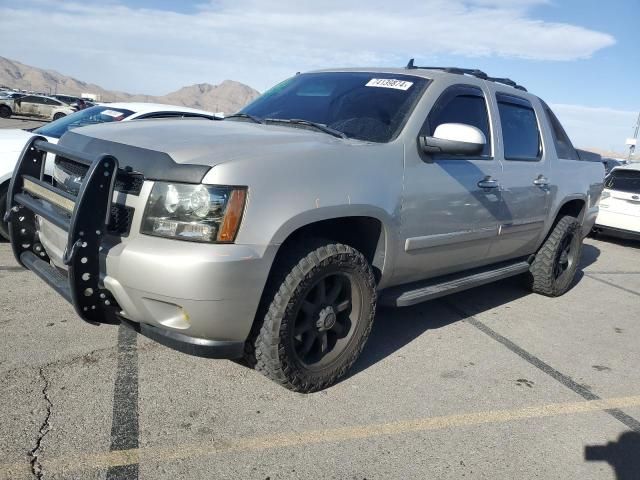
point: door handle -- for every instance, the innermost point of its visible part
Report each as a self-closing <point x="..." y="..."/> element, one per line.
<point x="488" y="182"/>
<point x="541" y="181"/>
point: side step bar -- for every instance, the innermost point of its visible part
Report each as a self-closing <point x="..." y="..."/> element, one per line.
<point x="413" y="293"/>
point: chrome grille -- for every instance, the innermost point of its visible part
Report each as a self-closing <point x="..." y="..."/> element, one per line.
<point x="68" y="176"/>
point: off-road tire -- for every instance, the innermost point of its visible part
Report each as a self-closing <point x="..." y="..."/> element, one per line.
<point x="541" y="277"/>
<point x="4" y="228"/>
<point x="58" y="116"/>
<point x="5" y="112"/>
<point x="270" y="348"/>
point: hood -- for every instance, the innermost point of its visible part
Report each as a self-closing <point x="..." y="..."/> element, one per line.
<point x="13" y="139"/>
<point x="184" y="150"/>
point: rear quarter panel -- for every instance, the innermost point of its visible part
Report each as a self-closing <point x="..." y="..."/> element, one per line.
<point x="577" y="180"/>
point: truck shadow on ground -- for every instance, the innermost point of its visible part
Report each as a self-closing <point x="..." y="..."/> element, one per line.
<point x="623" y="455"/>
<point x="396" y="327"/>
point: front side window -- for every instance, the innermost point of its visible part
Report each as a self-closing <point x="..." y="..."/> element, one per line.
<point x="519" y="128"/>
<point x="623" y="181"/>
<point x="88" y="116"/>
<point x="367" y="106"/>
<point x="461" y="104"/>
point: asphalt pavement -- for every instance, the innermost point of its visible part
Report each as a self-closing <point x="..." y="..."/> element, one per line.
<point x="20" y="122"/>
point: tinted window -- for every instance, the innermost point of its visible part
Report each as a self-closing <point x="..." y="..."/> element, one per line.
<point x="462" y="105"/>
<point x="564" y="147"/>
<point x="31" y="99"/>
<point x="623" y="181"/>
<point x="363" y="105"/>
<point x="519" y="128"/>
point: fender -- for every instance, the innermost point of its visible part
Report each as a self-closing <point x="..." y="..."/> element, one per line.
<point x="389" y="240"/>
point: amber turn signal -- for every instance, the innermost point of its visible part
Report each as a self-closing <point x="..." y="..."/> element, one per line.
<point x="232" y="216"/>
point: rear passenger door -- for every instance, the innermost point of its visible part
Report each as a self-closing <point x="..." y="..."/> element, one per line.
<point x="525" y="179"/>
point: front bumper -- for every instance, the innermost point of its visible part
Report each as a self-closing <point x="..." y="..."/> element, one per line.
<point x="207" y="292"/>
<point x="196" y="298"/>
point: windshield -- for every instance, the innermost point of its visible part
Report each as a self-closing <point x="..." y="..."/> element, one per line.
<point x="367" y="106"/>
<point x="623" y="181"/>
<point x="89" y="116"/>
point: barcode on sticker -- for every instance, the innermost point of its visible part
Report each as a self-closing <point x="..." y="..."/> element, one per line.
<point x="111" y="113"/>
<point x="389" y="83"/>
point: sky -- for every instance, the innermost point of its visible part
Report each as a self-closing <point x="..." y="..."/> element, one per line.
<point x="581" y="56"/>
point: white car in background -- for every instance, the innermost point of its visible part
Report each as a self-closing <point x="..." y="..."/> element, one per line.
<point x="619" y="213"/>
<point x="38" y="106"/>
<point x="12" y="141"/>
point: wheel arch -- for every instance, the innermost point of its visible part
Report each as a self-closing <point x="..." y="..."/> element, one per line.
<point x="365" y="229"/>
<point x="4" y="105"/>
<point x="574" y="205"/>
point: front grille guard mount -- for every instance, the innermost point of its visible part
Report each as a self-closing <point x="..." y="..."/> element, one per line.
<point x="85" y="229"/>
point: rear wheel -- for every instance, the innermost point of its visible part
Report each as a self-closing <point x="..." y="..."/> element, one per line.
<point x="556" y="262"/>
<point x="58" y="116"/>
<point x="5" y="112"/>
<point x="4" y="227"/>
<point x="321" y="305"/>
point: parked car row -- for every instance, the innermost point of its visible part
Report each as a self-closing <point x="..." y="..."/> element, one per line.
<point x="37" y="106"/>
<point x="46" y="107"/>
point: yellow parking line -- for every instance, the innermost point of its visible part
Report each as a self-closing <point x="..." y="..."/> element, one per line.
<point x="161" y="454"/>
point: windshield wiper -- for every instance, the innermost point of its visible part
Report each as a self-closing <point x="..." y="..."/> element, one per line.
<point x="246" y="115"/>
<point x="299" y="121"/>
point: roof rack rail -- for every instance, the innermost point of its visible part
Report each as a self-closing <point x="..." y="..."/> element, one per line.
<point x="468" y="71"/>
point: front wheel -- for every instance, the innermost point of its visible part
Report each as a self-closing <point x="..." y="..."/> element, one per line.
<point x="58" y="116"/>
<point x="555" y="265"/>
<point x="5" y="112"/>
<point x="321" y="305"/>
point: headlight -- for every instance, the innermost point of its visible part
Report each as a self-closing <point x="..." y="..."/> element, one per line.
<point x="200" y="213"/>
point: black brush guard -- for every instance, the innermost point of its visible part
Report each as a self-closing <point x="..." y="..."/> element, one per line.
<point x="29" y="195"/>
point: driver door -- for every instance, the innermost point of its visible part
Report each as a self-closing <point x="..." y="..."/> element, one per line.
<point x="449" y="215"/>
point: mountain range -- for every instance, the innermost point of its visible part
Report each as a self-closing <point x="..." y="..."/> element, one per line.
<point x="229" y="96"/>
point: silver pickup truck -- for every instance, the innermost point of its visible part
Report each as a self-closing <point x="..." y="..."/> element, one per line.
<point x="272" y="235"/>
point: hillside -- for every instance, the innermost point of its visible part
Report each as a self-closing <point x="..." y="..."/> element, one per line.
<point x="229" y="96"/>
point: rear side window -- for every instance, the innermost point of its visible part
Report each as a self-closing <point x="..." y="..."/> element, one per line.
<point x="623" y="181"/>
<point x="519" y="128"/>
<point x="461" y="104"/>
<point x="564" y="147"/>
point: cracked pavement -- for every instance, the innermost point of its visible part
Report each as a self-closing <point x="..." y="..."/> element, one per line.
<point x="36" y="466"/>
<point x="202" y="418"/>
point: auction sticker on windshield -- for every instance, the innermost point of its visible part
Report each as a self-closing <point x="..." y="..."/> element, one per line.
<point x="111" y="113"/>
<point x="389" y="83"/>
